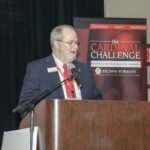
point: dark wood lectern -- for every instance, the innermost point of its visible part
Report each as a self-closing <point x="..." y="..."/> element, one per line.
<point x="92" y="125"/>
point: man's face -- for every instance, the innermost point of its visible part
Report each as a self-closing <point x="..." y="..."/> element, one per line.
<point x="67" y="46"/>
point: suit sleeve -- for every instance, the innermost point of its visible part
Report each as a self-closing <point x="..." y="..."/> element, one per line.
<point x="30" y="86"/>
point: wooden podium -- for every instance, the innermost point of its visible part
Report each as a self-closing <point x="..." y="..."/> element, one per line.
<point x="92" y="125"/>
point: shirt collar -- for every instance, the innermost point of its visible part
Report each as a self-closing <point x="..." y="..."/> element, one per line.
<point x="58" y="62"/>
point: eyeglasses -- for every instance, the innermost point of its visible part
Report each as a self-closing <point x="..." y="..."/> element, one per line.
<point x="71" y="43"/>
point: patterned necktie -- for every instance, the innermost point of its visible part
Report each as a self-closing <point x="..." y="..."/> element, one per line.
<point x="69" y="85"/>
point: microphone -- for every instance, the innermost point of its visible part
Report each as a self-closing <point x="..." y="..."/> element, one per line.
<point x="30" y="103"/>
<point x="75" y="73"/>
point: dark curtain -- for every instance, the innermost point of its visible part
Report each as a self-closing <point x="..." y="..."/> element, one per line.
<point x="24" y="35"/>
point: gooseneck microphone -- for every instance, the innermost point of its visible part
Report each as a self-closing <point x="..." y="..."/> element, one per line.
<point x="30" y="103"/>
<point x="75" y="73"/>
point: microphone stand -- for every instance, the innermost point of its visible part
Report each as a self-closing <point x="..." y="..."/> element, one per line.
<point x="31" y="128"/>
<point x="31" y="103"/>
<point x="35" y="100"/>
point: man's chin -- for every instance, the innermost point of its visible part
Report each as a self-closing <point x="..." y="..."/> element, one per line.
<point x="71" y="59"/>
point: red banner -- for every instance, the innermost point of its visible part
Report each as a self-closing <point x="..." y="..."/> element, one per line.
<point x="115" y="49"/>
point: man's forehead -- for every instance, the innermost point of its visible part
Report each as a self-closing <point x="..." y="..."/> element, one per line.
<point x="69" y="33"/>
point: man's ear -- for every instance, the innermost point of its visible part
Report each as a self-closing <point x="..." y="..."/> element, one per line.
<point x="56" y="44"/>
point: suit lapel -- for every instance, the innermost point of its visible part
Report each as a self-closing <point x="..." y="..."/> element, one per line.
<point x="53" y="75"/>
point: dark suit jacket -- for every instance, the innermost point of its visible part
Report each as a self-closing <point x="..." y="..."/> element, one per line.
<point x="37" y="80"/>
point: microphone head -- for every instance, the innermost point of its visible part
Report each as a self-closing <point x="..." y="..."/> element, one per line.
<point x="71" y="66"/>
<point x="75" y="73"/>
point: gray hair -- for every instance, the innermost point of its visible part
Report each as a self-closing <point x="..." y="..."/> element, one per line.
<point x="57" y="33"/>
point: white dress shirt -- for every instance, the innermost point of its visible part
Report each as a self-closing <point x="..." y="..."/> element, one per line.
<point x="77" y="89"/>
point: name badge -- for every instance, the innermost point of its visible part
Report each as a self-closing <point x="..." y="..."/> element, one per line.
<point x="52" y="69"/>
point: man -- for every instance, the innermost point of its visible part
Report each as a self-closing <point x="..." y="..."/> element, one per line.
<point x="47" y="72"/>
